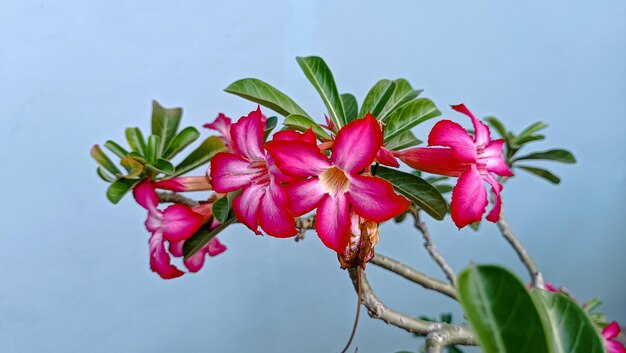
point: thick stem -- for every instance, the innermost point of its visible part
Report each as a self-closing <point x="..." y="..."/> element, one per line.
<point x="412" y="275"/>
<point x="303" y="224"/>
<point x="507" y="233"/>
<point x="165" y="197"/>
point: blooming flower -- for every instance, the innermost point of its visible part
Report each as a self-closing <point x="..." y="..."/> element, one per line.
<point x="472" y="160"/>
<point x="337" y="186"/>
<point x="609" y="333"/>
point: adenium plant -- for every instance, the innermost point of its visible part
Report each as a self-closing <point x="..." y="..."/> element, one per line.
<point x="330" y="178"/>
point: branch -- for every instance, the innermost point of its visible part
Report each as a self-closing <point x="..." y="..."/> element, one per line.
<point x="535" y="275"/>
<point x="303" y="224"/>
<point x="430" y="246"/>
<point x="412" y="275"/>
<point x="165" y="197"/>
<point x="444" y="334"/>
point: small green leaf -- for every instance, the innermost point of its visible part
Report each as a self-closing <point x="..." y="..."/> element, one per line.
<point x="270" y="124"/>
<point x="221" y="209"/>
<point x="501" y="311"/>
<point x="263" y="93"/>
<point x="475" y="226"/>
<point x="417" y="190"/>
<point x="444" y="188"/>
<point x="350" y="106"/>
<point x="435" y="179"/>
<point x="446" y="317"/>
<point x="532" y="128"/>
<point x="302" y="123"/>
<point x="410" y="115"/>
<point x="320" y="76"/>
<point x="115" y="148"/>
<point x="104" y="160"/>
<point x="454" y="349"/>
<point x="400" y="218"/>
<point x="377" y="97"/>
<point x="201" y="155"/>
<point x="152" y="152"/>
<point x="165" y="123"/>
<point x="542" y="173"/>
<point x="133" y="167"/>
<point x="404" y="140"/>
<point x="119" y="188"/>
<point x="520" y="141"/>
<point x="556" y="155"/>
<point x="498" y="126"/>
<point x="202" y="237"/>
<point x="184" y="138"/>
<point x="402" y="94"/>
<point x="135" y="140"/>
<point x="163" y="166"/>
<point x="136" y="156"/>
<point x="104" y="175"/>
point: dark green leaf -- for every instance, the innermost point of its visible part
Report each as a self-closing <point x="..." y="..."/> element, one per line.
<point x="402" y="94"/>
<point x="164" y="166"/>
<point x="184" y="138"/>
<point x="135" y="140"/>
<point x="377" y="97"/>
<point x="400" y="218"/>
<point x="404" y="140"/>
<point x="165" y="123"/>
<point x="115" y="148"/>
<point x="519" y="141"/>
<point x="501" y="311"/>
<point x="104" y="175"/>
<point x="152" y="152"/>
<point x="104" y="160"/>
<point x="498" y="126"/>
<point x="410" y="115"/>
<point x="133" y="167"/>
<point x="320" y="76"/>
<point x="556" y="155"/>
<point x="532" y="128"/>
<point x="444" y="188"/>
<point x="136" y="156"/>
<point x="201" y="155"/>
<point x="435" y="179"/>
<point x="221" y="209"/>
<point x="119" y="188"/>
<point x="542" y="173"/>
<point x="446" y="317"/>
<point x="302" y="123"/>
<point x="263" y="93"/>
<point x="454" y="349"/>
<point x="270" y="124"/>
<point x="350" y="106"/>
<point x="417" y="190"/>
<point x="475" y="226"/>
<point x="202" y="237"/>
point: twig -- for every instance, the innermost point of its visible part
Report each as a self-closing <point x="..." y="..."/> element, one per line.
<point x="430" y="246"/>
<point x="507" y="233"/>
<point x="412" y="275"/>
<point x="165" y="197"/>
<point x="303" y="224"/>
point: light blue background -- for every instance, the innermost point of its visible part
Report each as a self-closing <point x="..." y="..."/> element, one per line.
<point x="74" y="271"/>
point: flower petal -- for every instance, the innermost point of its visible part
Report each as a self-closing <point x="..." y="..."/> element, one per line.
<point x="215" y="247"/>
<point x="274" y="217"/>
<point x="481" y="131"/>
<point x="160" y="259"/>
<point x="291" y="135"/>
<point x="246" y="205"/>
<point x="182" y="184"/>
<point x="494" y="214"/>
<point x="146" y="196"/>
<point x="333" y="222"/>
<point x="222" y="125"/>
<point x="230" y="172"/>
<point x="614" y="347"/>
<point x="450" y="134"/>
<point x="176" y="248"/>
<point x="469" y="198"/>
<point x="385" y="157"/>
<point x="296" y="158"/>
<point x="180" y="222"/>
<point x="611" y="330"/>
<point x="436" y="160"/>
<point x="247" y="135"/>
<point x="357" y="144"/>
<point x="304" y="195"/>
<point x="374" y="199"/>
<point x="493" y="160"/>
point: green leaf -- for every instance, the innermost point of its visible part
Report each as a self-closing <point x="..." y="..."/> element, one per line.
<point x="417" y="190"/>
<point x="444" y="188"/>
<point x="519" y="141"/>
<point x="475" y="226"/>
<point x="410" y="115"/>
<point x="542" y="173"/>
<point x="446" y="317"/>
<point x="318" y="73"/>
<point x="133" y="167"/>
<point x="532" y="128"/>
<point x="202" y="237"/>
<point x="302" y="123"/>
<point x="404" y="140"/>
<point x="104" y="175"/>
<point x="104" y="160"/>
<point x="377" y="97"/>
<point x="152" y="152"/>
<point x="498" y="126"/>
<point x="221" y="209"/>
<point x="115" y="148"/>
<point x="270" y="124"/>
<point x="263" y="93"/>
<point x="135" y="140"/>
<point x="136" y="156"/>
<point x="119" y="188"/>
<point x="454" y="349"/>
<point x="184" y="138"/>
<point x="402" y="94"/>
<point x="163" y="166"/>
<point x="501" y="311"/>
<point x="350" y="106"/>
<point x="568" y="327"/>
<point x="201" y="155"/>
<point x="165" y="123"/>
<point x="556" y="155"/>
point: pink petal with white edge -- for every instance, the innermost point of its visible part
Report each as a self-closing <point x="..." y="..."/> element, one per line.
<point x="493" y="160"/>
<point x="274" y="217"/>
<point x="222" y="125"/>
<point x="145" y="195"/>
<point x="291" y="135"/>
<point x="374" y="199"/>
<point x="357" y="144"/>
<point x="230" y="172"/>
<point x="436" y="160"/>
<point x="160" y="259"/>
<point x="385" y="157"/>
<point x="176" y="248"/>
<point x="469" y="198"/>
<point x="614" y="347"/>
<point x="247" y="135"/>
<point x="494" y="214"/>
<point x="180" y="222"/>
<point x="246" y="205"/>
<point x="611" y="330"/>
<point x="481" y="131"/>
<point x="450" y="134"/>
<point x="304" y="195"/>
<point x="298" y="159"/>
<point x="154" y="221"/>
<point x="333" y="222"/>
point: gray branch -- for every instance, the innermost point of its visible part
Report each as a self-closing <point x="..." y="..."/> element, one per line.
<point x="507" y="233"/>
<point x="167" y="197"/>
<point x="303" y="224"/>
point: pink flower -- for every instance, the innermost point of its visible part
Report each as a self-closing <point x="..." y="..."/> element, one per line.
<point x="263" y="200"/>
<point x="471" y="159"/>
<point x="182" y="184"/>
<point x="222" y="125"/>
<point x="175" y="225"/>
<point x="336" y="187"/>
<point x="609" y="333"/>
